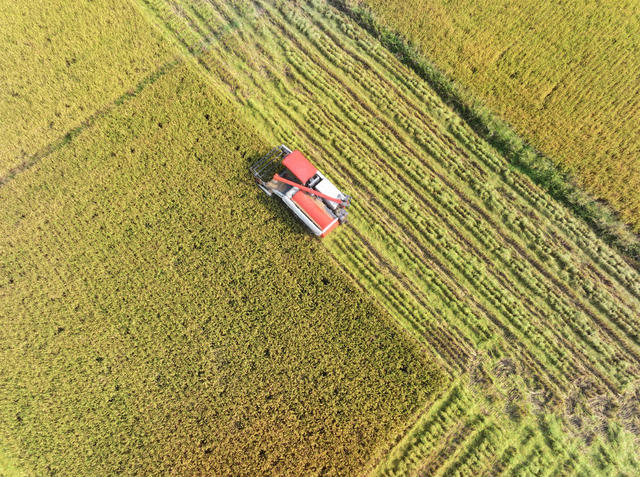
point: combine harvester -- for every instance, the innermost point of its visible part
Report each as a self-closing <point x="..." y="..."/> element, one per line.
<point x="303" y="188"/>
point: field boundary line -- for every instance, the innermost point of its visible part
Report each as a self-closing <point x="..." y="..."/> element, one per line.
<point x="88" y="122"/>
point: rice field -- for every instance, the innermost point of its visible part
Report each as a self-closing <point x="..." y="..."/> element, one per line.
<point x="161" y="315"/>
<point x="153" y="323"/>
<point x="565" y="74"/>
<point x="533" y="314"/>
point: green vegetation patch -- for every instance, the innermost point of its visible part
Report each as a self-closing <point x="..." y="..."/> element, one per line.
<point x="61" y="63"/>
<point x="160" y="315"/>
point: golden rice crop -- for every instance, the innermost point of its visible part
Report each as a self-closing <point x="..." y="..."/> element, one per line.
<point x="61" y="63"/>
<point x="160" y="315"/>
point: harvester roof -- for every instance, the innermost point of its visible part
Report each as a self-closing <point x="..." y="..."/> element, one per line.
<point x="303" y="188"/>
<point x="299" y="166"/>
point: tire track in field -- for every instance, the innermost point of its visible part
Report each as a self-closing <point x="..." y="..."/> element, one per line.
<point x="88" y="122"/>
<point x="466" y="200"/>
<point x="464" y="349"/>
<point x="369" y="65"/>
<point x="423" y="329"/>
<point x="537" y="368"/>
<point x="427" y="433"/>
<point x="456" y="148"/>
<point x="447" y="448"/>
<point x="582" y="234"/>
<point x="352" y="93"/>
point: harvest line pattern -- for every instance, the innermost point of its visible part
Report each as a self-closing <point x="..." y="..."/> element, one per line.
<point x="568" y="79"/>
<point x="68" y="137"/>
<point x="468" y="254"/>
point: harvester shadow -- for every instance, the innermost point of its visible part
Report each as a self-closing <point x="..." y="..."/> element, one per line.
<point x="279" y="211"/>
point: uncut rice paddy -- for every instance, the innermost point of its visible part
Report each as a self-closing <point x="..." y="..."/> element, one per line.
<point x="532" y="315"/>
<point x="154" y="324"/>
<point x="62" y="66"/>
